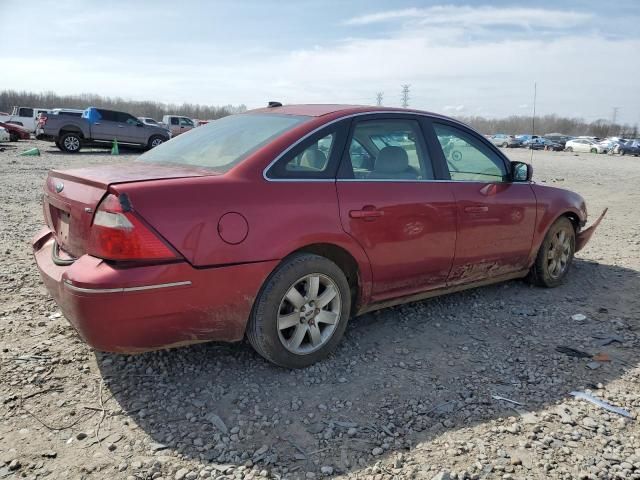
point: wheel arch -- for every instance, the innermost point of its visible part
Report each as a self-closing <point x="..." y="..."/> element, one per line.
<point x="347" y="263"/>
<point x="70" y="129"/>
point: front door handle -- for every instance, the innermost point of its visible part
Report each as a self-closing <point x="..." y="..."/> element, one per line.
<point x="476" y="209"/>
<point x="368" y="212"/>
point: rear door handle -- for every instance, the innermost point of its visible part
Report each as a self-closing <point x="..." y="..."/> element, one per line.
<point x="476" y="209"/>
<point x="368" y="212"/>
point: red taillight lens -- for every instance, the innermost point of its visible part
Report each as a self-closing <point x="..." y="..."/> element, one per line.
<point x="118" y="234"/>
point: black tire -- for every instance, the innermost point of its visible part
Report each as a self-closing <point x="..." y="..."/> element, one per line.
<point x="13" y="137"/>
<point x="70" y="142"/>
<point x="505" y="145"/>
<point x="262" y="330"/>
<point x="621" y="152"/>
<point x="594" y="150"/>
<point x="568" y="149"/>
<point x="155" y="140"/>
<point x="541" y="272"/>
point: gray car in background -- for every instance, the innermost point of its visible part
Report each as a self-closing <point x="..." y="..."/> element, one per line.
<point x="505" y="141"/>
<point x="99" y="127"/>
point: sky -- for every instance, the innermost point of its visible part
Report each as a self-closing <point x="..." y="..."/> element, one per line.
<point x="459" y="58"/>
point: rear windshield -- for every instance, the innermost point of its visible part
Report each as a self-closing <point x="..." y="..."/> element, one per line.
<point x="223" y="143"/>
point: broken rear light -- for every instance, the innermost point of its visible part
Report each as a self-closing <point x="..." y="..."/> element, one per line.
<point x="117" y="233"/>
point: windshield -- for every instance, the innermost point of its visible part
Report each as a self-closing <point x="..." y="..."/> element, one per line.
<point x="223" y="143"/>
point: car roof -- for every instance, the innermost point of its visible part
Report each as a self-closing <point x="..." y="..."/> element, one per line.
<point x="318" y="110"/>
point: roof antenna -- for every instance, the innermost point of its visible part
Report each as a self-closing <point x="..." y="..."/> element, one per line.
<point x="533" y="119"/>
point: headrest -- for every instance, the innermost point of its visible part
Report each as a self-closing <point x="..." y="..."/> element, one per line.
<point x="392" y="160"/>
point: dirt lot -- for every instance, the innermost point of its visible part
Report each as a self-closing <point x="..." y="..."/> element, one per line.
<point x="409" y="394"/>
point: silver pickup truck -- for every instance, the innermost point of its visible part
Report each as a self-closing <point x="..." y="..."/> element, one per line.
<point x="98" y="128"/>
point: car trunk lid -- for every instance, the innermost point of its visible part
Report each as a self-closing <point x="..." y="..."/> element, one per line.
<point x="72" y="196"/>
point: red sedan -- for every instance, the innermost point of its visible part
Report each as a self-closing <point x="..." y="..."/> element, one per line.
<point x="282" y="223"/>
<point x="16" y="132"/>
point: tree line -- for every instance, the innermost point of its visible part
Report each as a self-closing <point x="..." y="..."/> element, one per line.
<point x="139" y="108"/>
<point x="515" y="124"/>
<point x="545" y="124"/>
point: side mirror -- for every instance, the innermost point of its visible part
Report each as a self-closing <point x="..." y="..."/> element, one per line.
<point x="521" y="172"/>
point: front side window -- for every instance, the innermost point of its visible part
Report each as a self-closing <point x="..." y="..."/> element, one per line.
<point x="186" y="122"/>
<point x="224" y="143"/>
<point x="388" y="149"/>
<point x="175" y="121"/>
<point x="468" y="158"/>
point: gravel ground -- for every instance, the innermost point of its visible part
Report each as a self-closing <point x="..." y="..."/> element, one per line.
<point x="408" y="394"/>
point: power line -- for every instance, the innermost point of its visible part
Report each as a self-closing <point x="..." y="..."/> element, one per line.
<point x="405" y="95"/>
<point x="379" y="97"/>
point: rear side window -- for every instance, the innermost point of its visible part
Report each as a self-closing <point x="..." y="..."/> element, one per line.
<point x="468" y="158"/>
<point x="308" y="160"/>
<point x="224" y="143"/>
<point x="108" y="115"/>
<point x="25" y="112"/>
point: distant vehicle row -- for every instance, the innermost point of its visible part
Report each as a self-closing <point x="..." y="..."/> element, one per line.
<point x="559" y="142"/>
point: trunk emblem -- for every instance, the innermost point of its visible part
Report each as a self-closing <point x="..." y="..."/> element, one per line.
<point x="59" y="187"/>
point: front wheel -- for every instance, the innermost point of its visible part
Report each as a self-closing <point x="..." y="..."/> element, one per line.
<point x="13" y="137"/>
<point x="555" y="255"/>
<point x="569" y="149"/>
<point x="301" y="312"/>
<point x="505" y="145"/>
<point x="155" y="140"/>
<point x="621" y="152"/>
<point x="594" y="150"/>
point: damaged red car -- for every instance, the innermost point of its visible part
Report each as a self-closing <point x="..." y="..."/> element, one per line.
<point x="282" y="223"/>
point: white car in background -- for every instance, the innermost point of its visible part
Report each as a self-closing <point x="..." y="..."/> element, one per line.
<point x="584" y="145"/>
<point x="4" y="135"/>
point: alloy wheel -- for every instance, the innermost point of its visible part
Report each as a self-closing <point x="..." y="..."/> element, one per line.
<point x="72" y="143"/>
<point x="558" y="254"/>
<point x="309" y="313"/>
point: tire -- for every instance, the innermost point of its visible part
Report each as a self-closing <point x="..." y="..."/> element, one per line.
<point x="621" y="152"/>
<point x="13" y="137"/>
<point x="594" y="150"/>
<point x="505" y="145"/>
<point x="70" y="142"/>
<point x="569" y="149"/>
<point x="155" y="140"/>
<point x="276" y="323"/>
<point x="555" y="247"/>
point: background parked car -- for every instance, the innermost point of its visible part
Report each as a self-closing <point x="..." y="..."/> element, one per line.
<point x="24" y="116"/>
<point x="16" y="132"/>
<point x="178" y="124"/>
<point x="505" y="141"/>
<point x="558" y="138"/>
<point x="100" y="127"/>
<point x="630" y="147"/>
<point x="541" y="143"/>
<point x="149" y="121"/>
<point x="584" y="145"/>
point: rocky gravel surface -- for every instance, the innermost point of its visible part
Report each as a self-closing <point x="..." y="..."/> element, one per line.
<point x="468" y="386"/>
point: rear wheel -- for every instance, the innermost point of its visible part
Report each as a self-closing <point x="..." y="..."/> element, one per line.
<point x="569" y="149"/>
<point x="621" y="151"/>
<point x="14" y="137"/>
<point x="301" y="312"/>
<point x="555" y="255"/>
<point x="594" y="150"/>
<point x="505" y="145"/>
<point x="70" y="142"/>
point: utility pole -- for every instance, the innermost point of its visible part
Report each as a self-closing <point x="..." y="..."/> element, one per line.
<point x="379" y="97"/>
<point x="405" y="95"/>
<point x="615" y="115"/>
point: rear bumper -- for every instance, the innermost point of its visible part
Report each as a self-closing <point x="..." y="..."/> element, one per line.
<point x="136" y="309"/>
<point x="585" y="235"/>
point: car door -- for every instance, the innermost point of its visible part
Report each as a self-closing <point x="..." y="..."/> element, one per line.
<point x="186" y="124"/>
<point x="496" y="217"/>
<point x="391" y="205"/>
<point x="130" y="129"/>
<point x="105" y="128"/>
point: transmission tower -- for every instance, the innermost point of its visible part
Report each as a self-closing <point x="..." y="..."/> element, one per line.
<point x="405" y="95"/>
<point x="379" y="97"/>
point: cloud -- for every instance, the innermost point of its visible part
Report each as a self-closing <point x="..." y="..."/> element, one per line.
<point x="466" y="16"/>
<point x="453" y="108"/>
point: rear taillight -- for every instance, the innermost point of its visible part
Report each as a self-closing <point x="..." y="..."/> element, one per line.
<point x="42" y="120"/>
<point x="117" y="233"/>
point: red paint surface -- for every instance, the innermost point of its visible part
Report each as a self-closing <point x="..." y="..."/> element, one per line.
<point x="232" y="230"/>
